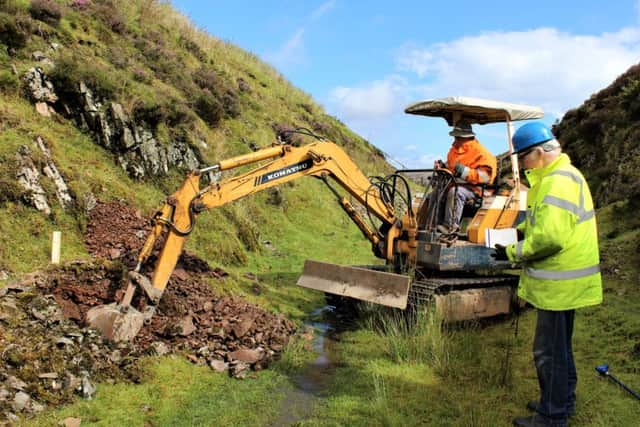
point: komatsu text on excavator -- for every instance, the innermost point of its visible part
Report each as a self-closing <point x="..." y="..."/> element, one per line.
<point x="460" y="276"/>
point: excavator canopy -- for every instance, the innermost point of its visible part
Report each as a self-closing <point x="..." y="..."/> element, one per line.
<point x="456" y="109"/>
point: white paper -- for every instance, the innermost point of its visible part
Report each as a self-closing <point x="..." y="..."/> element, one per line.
<point x="502" y="236"/>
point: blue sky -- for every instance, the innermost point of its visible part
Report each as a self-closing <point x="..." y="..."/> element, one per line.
<point x="364" y="61"/>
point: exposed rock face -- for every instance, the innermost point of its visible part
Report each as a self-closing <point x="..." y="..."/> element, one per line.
<point x="51" y="171"/>
<point x="39" y="89"/>
<point x="29" y="174"/>
<point x="136" y="148"/>
<point x="29" y="178"/>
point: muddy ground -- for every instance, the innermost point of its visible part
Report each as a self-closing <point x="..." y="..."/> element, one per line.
<point x="50" y="356"/>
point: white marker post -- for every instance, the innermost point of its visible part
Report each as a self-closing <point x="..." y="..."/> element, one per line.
<point x="56" y="241"/>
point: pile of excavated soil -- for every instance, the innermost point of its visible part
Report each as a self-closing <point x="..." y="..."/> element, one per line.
<point x="49" y="354"/>
<point x="190" y="315"/>
<point x="114" y="231"/>
<point x="47" y="358"/>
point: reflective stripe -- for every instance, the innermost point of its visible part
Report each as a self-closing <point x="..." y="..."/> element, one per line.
<point x="561" y="275"/>
<point x="531" y="215"/>
<point x="464" y="173"/>
<point x="586" y="216"/>
<point x="582" y="214"/>
<point x="562" y="204"/>
<point x="568" y="174"/>
<point x="483" y="176"/>
<point x="519" y="248"/>
<point x="568" y="206"/>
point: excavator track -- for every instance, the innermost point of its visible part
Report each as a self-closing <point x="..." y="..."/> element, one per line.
<point x="465" y="298"/>
<point x="422" y="291"/>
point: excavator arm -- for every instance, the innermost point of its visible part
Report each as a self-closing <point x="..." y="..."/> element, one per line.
<point x="322" y="159"/>
<point x="395" y="238"/>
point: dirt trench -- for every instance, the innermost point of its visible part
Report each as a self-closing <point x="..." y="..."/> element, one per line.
<point x="50" y="356"/>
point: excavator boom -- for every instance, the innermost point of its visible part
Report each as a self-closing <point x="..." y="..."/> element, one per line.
<point x="324" y="160"/>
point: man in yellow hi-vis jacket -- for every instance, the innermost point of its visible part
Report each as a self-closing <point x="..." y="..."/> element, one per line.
<point x="561" y="270"/>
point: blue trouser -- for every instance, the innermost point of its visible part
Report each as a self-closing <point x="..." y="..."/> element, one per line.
<point x="454" y="203"/>
<point x="553" y="357"/>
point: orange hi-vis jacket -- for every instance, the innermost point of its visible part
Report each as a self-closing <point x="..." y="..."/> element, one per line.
<point x="480" y="164"/>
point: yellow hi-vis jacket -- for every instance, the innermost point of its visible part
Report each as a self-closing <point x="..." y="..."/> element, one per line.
<point x="559" y="253"/>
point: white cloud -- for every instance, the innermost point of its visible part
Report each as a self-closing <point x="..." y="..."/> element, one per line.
<point x="322" y="9"/>
<point x="374" y="101"/>
<point x="544" y="66"/>
<point x="291" y="53"/>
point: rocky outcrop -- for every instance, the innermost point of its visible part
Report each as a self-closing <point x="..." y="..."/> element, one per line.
<point x="133" y="143"/>
<point x="29" y="178"/>
<point x="136" y="149"/>
<point x="38" y="87"/>
<point x="51" y="171"/>
<point x="29" y="174"/>
<point x="40" y="90"/>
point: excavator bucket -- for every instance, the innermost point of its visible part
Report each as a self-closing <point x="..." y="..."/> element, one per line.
<point x="121" y="322"/>
<point x="116" y="322"/>
<point x="378" y="287"/>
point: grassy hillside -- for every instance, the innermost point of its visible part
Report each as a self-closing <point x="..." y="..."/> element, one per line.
<point x="602" y="135"/>
<point x="181" y="85"/>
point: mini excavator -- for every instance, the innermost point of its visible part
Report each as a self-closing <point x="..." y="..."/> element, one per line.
<point x="460" y="276"/>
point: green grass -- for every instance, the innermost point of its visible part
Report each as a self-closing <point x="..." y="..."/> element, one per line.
<point x="487" y="376"/>
<point x="409" y="337"/>
<point x="177" y="393"/>
<point x="484" y="375"/>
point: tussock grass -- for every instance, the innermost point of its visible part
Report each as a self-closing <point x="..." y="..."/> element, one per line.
<point x="295" y="357"/>
<point x="411" y="336"/>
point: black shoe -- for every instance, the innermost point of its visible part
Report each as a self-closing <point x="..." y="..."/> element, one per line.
<point x="532" y="405"/>
<point x="535" y="421"/>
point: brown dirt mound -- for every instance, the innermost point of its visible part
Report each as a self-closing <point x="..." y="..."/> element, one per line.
<point x="49" y="355"/>
<point x="115" y="230"/>
<point x="190" y="315"/>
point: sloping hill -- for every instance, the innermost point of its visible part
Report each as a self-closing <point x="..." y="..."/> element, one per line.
<point x="119" y="99"/>
<point x="602" y="137"/>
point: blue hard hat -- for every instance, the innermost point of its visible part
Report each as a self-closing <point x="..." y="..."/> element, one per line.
<point x="531" y="134"/>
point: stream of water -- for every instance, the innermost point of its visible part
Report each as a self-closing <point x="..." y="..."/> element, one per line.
<point x="311" y="385"/>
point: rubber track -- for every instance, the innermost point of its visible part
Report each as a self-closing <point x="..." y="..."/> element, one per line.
<point x="421" y="291"/>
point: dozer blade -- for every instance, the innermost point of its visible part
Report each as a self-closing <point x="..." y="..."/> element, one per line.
<point x="360" y="283"/>
<point x="116" y="322"/>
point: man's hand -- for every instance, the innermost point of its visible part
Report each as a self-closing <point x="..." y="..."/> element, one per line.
<point x="500" y="254"/>
<point x="460" y="169"/>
